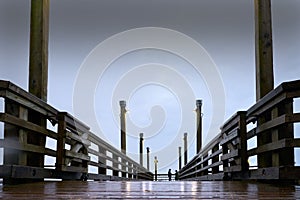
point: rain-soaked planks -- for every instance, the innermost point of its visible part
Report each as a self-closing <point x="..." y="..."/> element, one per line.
<point x="149" y="190"/>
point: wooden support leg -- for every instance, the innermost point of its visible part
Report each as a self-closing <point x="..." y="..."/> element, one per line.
<point x="38" y="72"/>
<point x="61" y="140"/>
<point x="264" y="159"/>
<point x="23" y="114"/>
<point x="102" y="170"/>
<point x="286" y="156"/>
<point x="124" y="174"/>
<point x="275" y="155"/>
<point x="115" y="165"/>
<point x="11" y="134"/>
<point x="130" y="170"/>
<point x="243" y="141"/>
<point x="215" y="159"/>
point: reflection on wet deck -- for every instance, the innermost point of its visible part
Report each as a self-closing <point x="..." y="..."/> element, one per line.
<point x="148" y="190"/>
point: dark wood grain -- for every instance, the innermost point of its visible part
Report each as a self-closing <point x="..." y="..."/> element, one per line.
<point x="149" y="190"/>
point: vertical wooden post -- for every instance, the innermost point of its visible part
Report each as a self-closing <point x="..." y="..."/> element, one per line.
<point x="185" y="148"/>
<point x="61" y="141"/>
<point x="263" y="48"/>
<point x="38" y="58"/>
<point x="148" y="158"/>
<point x="225" y="162"/>
<point x="38" y="71"/>
<point x="275" y="138"/>
<point x="123" y="126"/>
<point x="264" y="67"/>
<point x="102" y="160"/>
<point x="23" y="114"/>
<point x="155" y="168"/>
<point x="130" y="170"/>
<point x="124" y="167"/>
<point x="215" y="159"/>
<point x="115" y="165"/>
<point x="286" y="156"/>
<point x="179" y="158"/>
<point x="199" y="125"/>
<point x="243" y="140"/>
<point x="205" y="164"/>
<point x="11" y="134"/>
<point x="135" y="172"/>
<point x="141" y="148"/>
<point x="123" y="134"/>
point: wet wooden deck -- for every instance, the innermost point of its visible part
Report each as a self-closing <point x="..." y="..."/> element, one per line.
<point x="149" y="190"/>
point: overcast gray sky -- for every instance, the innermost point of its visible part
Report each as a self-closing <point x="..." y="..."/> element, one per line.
<point x="224" y="29"/>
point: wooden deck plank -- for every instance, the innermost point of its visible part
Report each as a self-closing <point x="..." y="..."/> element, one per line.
<point x="149" y="190"/>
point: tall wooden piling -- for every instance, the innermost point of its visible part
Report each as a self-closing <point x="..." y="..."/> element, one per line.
<point x="185" y="148"/>
<point x="148" y="158"/>
<point x="38" y="54"/>
<point x="38" y="71"/>
<point x="264" y="66"/>
<point x="179" y="158"/>
<point x="123" y="126"/>
<point x="38" y="78"/>
<point x="199" y="125"/>
<point x="123" y="133"/>
<point x="141" y="148"/>
<point x="155" y="168"/>
<point x="263" y="48"/>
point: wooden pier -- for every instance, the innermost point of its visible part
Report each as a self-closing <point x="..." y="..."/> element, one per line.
<point x="270" y="122"/>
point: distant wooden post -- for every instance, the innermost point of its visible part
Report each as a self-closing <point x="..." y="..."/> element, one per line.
<point x="148" y="158"/>
<point x="123" y="134"/>
<point x="155" y="168"/>
<point x="264" y="66"/>
<point x="141" y="148"/>
<point x="199" y="125"/>
<point x="123" y="126"/>
<point x="179" y="158"/>
<point x="185" y="148"/>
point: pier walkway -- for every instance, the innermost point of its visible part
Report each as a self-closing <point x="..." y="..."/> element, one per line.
<point x="150" y="190"/>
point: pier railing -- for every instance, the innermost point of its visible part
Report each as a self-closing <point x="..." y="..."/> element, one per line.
<point x="75" y="149"/>
<point x="265" y="135"/>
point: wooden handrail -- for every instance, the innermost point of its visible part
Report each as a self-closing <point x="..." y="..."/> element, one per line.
<point x="72" y="162"/>
<point x="273" y="116"/>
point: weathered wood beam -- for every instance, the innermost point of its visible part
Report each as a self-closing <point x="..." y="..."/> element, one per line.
<point x="264" y="66"/>
<point x="263" y="48"/>
<point x="141" y="148"/>
<point x="38" y="55"/>
<point x="61" y="141"/>
<point x="38" y="71"/>
<point x="185" y="148"/>
<point x="123" y="126"/>
<point x="199" y="126"/>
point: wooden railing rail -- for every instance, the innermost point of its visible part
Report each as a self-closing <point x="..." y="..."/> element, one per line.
<point x="72" y="150"/>
<point x="227" y="156"/>
<point x="120" y="160"/>
<point x="199" y="167"/>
